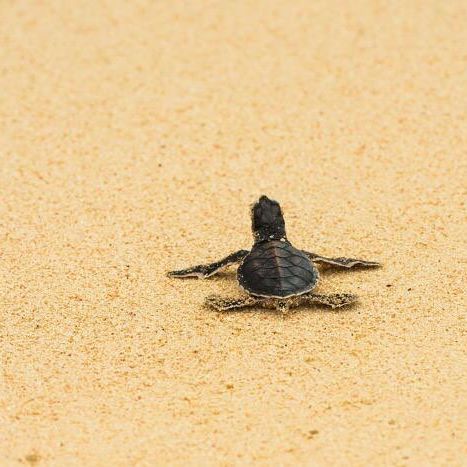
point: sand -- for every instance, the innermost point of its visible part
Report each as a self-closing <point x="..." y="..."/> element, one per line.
<point x="133" y="138"/>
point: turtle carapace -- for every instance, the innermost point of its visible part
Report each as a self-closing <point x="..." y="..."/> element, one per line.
<point x="274" y="274"/>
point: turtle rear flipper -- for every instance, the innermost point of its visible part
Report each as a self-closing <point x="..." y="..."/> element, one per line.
<point x="230" y="303"/>
<point x="335" y="300"/>
<point x="207" y="270"/>
<point x="346" y="263"/>
<point x="236" y="303"/>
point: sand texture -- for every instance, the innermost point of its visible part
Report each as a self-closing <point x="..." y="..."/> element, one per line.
<point x="133" y="138"/>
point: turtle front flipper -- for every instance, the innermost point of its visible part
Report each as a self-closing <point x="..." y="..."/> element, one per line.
<point x="346" y="263"/>
<point x="208" y="270"/>
<point x="335" y="300"/>
<point x="230" y="303"/>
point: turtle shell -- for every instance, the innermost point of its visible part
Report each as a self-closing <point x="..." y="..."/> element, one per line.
<point x="277" y="269"/>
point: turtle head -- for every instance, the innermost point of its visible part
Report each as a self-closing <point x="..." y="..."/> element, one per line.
<point x="267" y="220"/>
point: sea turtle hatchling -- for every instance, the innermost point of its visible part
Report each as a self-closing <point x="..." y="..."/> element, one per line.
<point x="274" y="274"/>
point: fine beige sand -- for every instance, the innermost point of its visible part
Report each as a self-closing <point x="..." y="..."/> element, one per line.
<point x="133" y="138"/>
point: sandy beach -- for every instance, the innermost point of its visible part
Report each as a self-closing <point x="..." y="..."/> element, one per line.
<point x="134" y="137"/>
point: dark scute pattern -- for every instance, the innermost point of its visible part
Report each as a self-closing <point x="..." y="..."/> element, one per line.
<point x="278" y="269"/>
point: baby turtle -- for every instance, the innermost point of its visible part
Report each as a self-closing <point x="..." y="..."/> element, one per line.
<point x="274" y="274"/>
